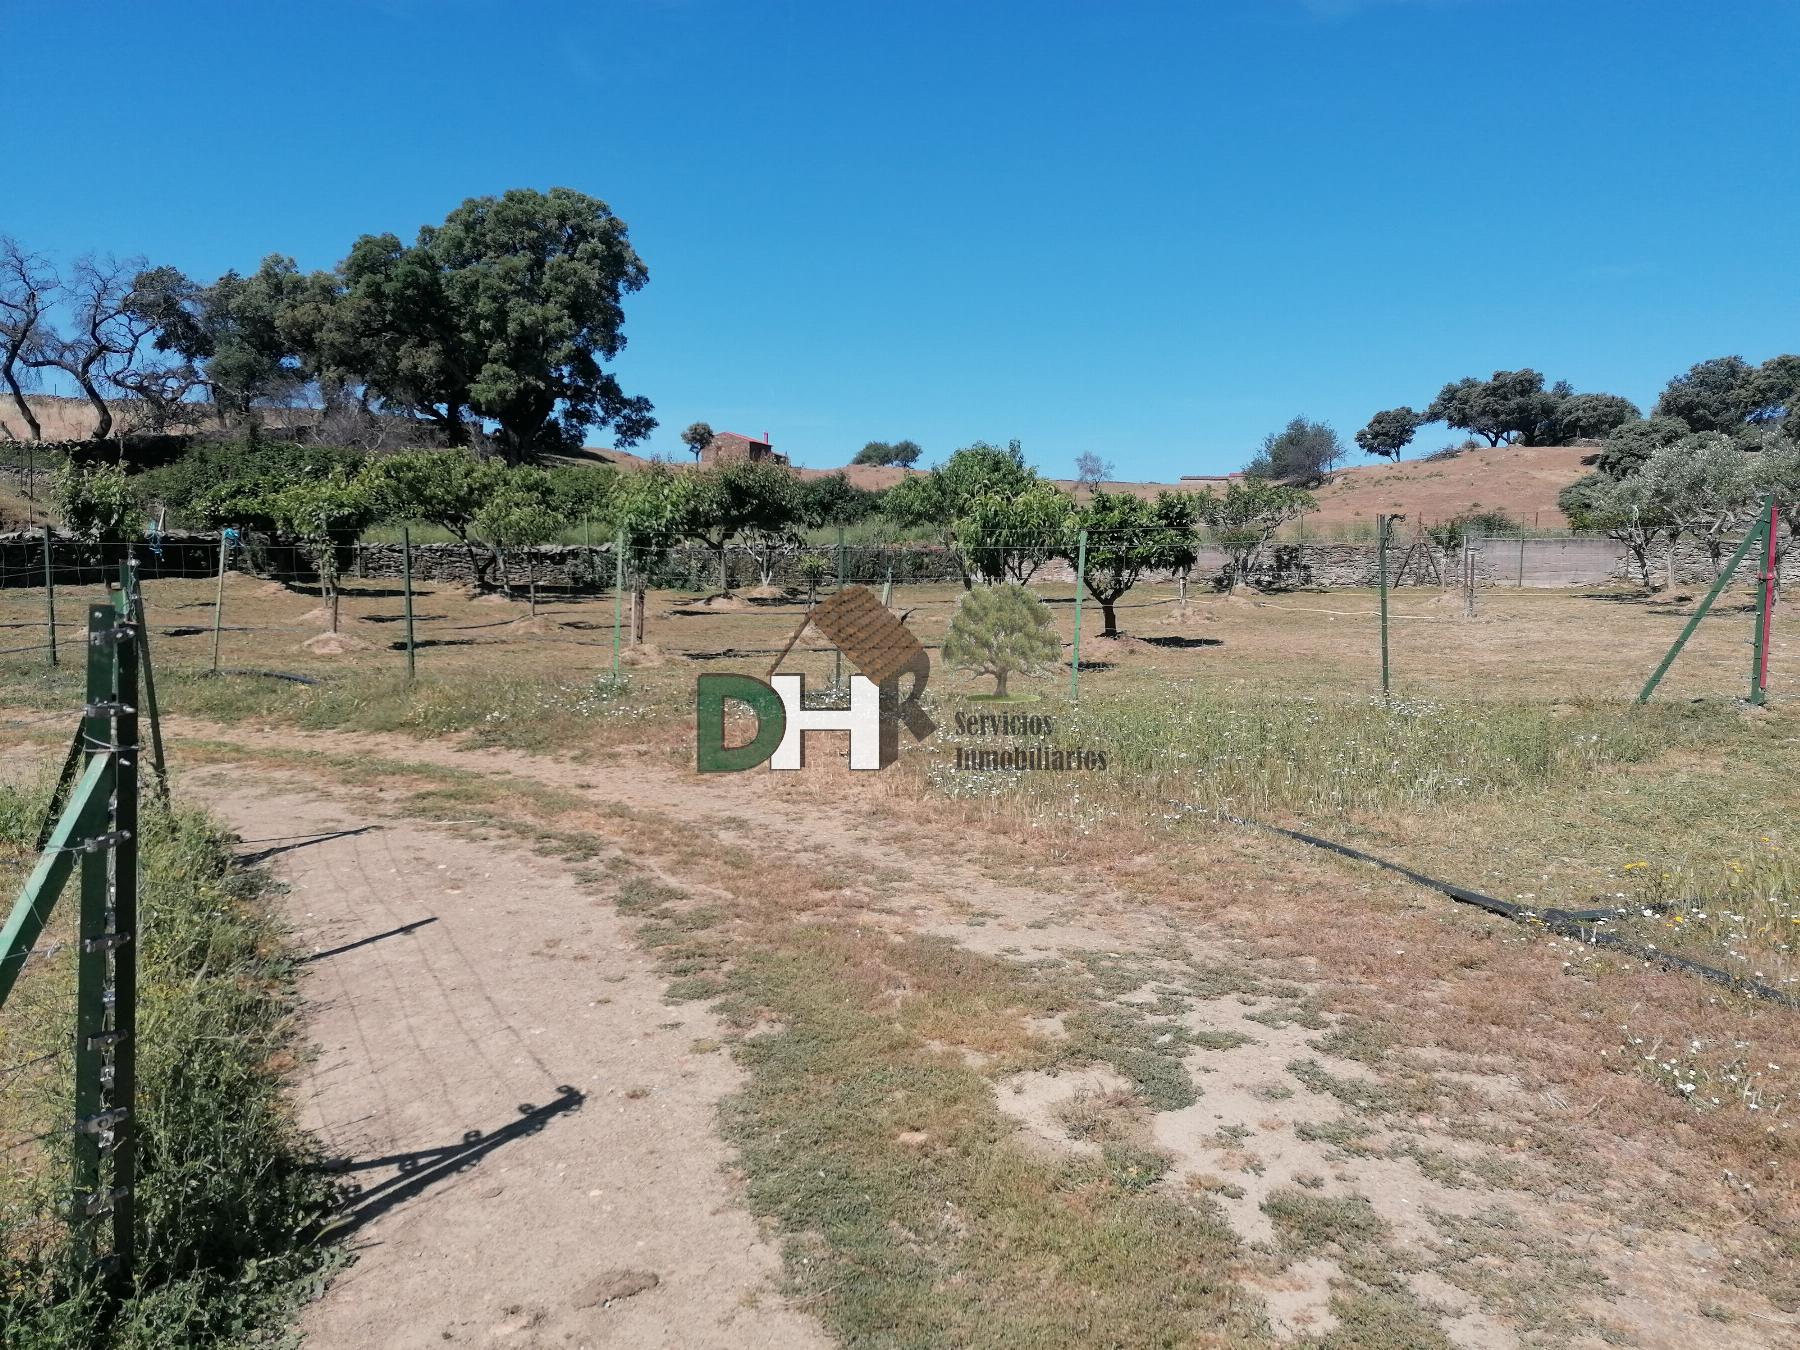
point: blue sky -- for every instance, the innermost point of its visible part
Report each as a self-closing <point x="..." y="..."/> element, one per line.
<point x="1155" y="231"/>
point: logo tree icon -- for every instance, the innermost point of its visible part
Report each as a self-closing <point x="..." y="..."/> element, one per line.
<point x="1002" y="631"/>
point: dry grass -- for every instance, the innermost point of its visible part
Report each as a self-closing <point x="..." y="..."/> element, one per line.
<point x="1511" y="763"/>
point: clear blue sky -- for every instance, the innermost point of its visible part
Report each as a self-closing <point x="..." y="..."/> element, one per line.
<point x="1155" y="231"/>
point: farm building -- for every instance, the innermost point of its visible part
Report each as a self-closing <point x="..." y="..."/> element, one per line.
<point x="730" y="448"/>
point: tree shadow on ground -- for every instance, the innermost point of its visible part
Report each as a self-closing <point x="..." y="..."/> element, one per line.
<point x="1177" y="642"/>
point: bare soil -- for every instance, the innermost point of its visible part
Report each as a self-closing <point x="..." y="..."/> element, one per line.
<point x="1270" y="1125"/>
<point x="527" y="1125"/>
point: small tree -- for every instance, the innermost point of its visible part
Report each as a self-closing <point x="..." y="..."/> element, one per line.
<point x="1302" y="452"/>
<point x="941" y="499"/>
<point x="1127" y="537"/>
<point x="1388" y="433"/>
<point x="1011" y="535"/>
<point x="325" y="514"/>
<point x="521" y="515"/>
<point x="1091" y="470"/>
<point x="1001" y="631"/>
<point x="697" y="437"/>
<point x="1703" y="486"/>
<point x="733" y="499"/>
<point x="1622" y="509"/>
<point x="446" y="488"/>
<point x="1247" y="516"/>
<point x="814" y="568"/>
<point x="646" y="509"/>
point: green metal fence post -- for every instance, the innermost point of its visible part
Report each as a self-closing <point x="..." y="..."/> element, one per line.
<point x="80" y="818"/>
<point x="1080" y="585"/>
<point x="412" y="665"/>
<point x="50" y="592"/>
<point x="837" y="674"/>
<point x="147" y="673"/>
<point x="91" y="1125"/>
<point x="1765" y="607"/>
<point x="618" y="593"/>
<point x="1699" y="614"/>
<point x="121" y="1095"/>
<point x="1381" y="544"/>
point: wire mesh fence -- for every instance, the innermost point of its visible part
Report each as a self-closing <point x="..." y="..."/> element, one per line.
<point x="280" y="610"/>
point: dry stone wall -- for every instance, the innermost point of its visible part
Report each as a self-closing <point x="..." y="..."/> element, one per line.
<point x="1543" y="563"/>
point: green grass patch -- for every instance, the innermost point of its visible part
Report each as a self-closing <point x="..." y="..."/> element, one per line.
<point x="226" y="1192"/>
<point x="966" y="1239"/>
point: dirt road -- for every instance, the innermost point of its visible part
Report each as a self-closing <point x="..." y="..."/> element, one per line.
<point x="530" y="1126"/>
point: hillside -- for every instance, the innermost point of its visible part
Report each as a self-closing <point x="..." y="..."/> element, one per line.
<point x="1522" y="481"/>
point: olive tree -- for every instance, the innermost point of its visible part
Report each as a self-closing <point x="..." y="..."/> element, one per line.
<point x="1703" y="485"/>
<point x="1622" y="509"/>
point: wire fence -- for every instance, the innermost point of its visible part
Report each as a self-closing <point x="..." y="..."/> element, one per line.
<point x="1416" y="558"/>
<point x="283" y="611"/>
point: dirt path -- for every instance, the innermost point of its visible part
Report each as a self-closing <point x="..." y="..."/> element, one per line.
<point x="530" y="1126"/>
<point x="500" y="1000"/>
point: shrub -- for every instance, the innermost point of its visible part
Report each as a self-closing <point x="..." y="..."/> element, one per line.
<point x="94" y="501"/>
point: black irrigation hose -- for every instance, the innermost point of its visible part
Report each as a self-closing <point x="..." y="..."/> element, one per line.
<point x="276" y="675"/>
<point x="1576" y="923"/>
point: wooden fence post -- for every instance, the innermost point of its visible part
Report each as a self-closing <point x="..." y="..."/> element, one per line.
<point x="412" y="668"/>
<point x="219" y="599"/>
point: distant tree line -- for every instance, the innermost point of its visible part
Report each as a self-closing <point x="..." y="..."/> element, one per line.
<point x="1721" y="437"/>
<point x="1726" y="395"/>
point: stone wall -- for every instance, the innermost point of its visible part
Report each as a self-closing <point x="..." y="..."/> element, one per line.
<point x="1561" y="562"/>
<point x="556" y="566"/>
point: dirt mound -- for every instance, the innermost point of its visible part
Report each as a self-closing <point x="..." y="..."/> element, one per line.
<point x="765" y="593"/>
<point x="334" y="644"/>
<point x="722" y="604"/>
<point x="477" y="596"/>
<point x="531" y="623"/>
<point x="1179" y="618"/>
<point x="320" y="614"/>
<point x="644" y="656"/>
